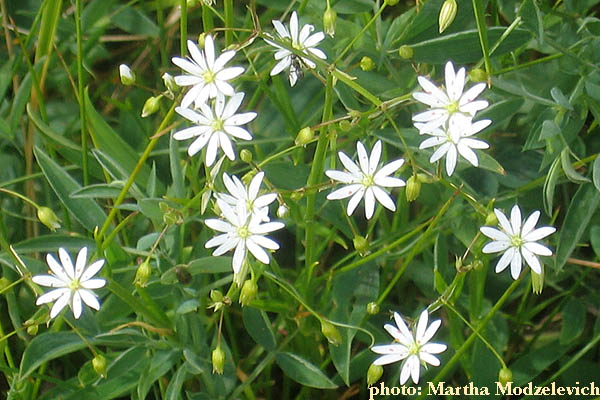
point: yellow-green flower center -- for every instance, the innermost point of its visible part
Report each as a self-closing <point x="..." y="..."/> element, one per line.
<point x="243" y="232"/>
<point x="217" y="124"/>
<point x="452" y="107"/>
<point x="367" y="180"/>
<point x="209" y="76"/>
<point x="516" y="241"/>
<point x="75" y="284"/>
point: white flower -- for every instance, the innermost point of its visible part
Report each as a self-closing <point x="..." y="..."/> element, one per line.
<point x="449" y="103"/>
<point x="301" y="40"/>
<point x="454" y="139"/>
<point x="214" y="126"/>
<point x="242" y="232"/>
<point x="207" y="75"/>
<point x="74" y="283"/>
<point x="255" y="204"/>
<point x="126" y="74"/>
<point x="517" y="241"/>
<point x="365" y="181"/>
<point x="414" y="350"/>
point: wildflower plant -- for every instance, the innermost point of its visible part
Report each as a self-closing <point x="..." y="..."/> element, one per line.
<point x="276" y="200"/>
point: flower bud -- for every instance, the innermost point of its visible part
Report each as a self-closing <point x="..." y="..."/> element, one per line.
<point x="413" y="188"/>
<point x="537" y="281"/>
<point x="48" y="218"/>
<point x="458" y="264"/>
<point x="391" y="2"/>
<point x="32" y="329"/>
<point x="169" y="82"/>
<point x="372" y="308"/>
<point x="447" y="14"/>
<point x="477" y="264"/>
<point x="361" y="245"/>
<point x="201" y="39"/>
<point x="305" y="135"/>
<point x="142" y="274"/>
<point x="297" y="195"/>
<point x="505" y="375"/>
<point x="246" y="156"/>
<point x="366" y="63"/>
<point x="282" y="211"/>
<point x="151" y="106"/>
<point x="406" y="52"/>
<point x="218" y="360"/>
<point x="478" y="75"/>
<point x="216" y="295"/>
<point x="491" y="219"/>
<point x="99" y="365"/>
<point x="248" y="293"/>
<point x="329" y="19"/>
<point x="127" y="75"/>
<point x="374" y="373"/>
<point x="331" y="333"/>
<point x="345" y="125"/>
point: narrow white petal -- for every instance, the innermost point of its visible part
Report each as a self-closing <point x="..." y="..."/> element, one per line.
<point x="314" y="40"/>
<point x="92" y="270"/>
<point x="266" y="228"/>
<point x="340" y="176"/>
<point x="414" y="364"/>
<point x="430" y="331"/>
<point x="76" y="304"/>
<point x="495" y="247"/>
<point x="209" y="51"/>
<point x="199" y="143"/>
<point x="265" y="242"/>
<point x="389" y="358"/>
<point x="429" y="100"/>
<point x="390" y="349"/>
<point x="57" y="269"/>
<point x="226" y="146"/>
<point x="89" y="298"/>
<point x="281" y="65"/>
<point x="472" y="93"/>
<point x="389" y="168"/>
<point x="503" y="221"/>
<point x="228" y="74"/>
<point x="238" y="256"/>
<point x="257" y="251"/>
<point x="515" y="219"/>
<point x="363" y="158"/>
<point x="389" y="182"/>
<point x="537" y="248"/>
<point x="375" y="156"/>
<point x="434" y="348"/>
<point x="505" y="259"/>
<point x="531" y="260"/>
<point x="60" y="304"/>
<point x="403" y="328"/>
<point x="474" y="143"/>
<point x="281" y="29"/>
<point x="529" y="224"/>
<point x="238" y="132"/>
<point x="353" y="203"/>
<point x="52" y="296"/>
<point x="96" y="283"/>
<point x="223" y="59"/>
<point x="50" y="281"/>
<point x="451" y="158"/>
<point x="369" y="203"/>
<point x="539" y="233"/>
<point x="494" y="233"/>
<point x="80" y="262"/>
<point x="422" y="325"/>
<point x="218" y="241"/>
<point x="294" y="26"/>
<point x="350" y="165"/>
<point x="344" y="192"/>
<point x="219" y="225"/>
<point x="211" y="150"/>
<point x="432" y="142"/>
<point x="468" y="154"/>
<point x="66" y="262"/>
<point x="241" y="119"/>
<point x="515" y="265"/>
<point x="432" y="89"/>
<point x="440" y="152"/>
<point x="383" y="198"/>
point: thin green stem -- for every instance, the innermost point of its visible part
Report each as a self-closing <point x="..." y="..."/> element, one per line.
<point x="483" y="38"/>
<point x="80" y="90"/>
<point x="20" y="196"/>
<point x="183" y="27"/>
<point x="228" y="6"/>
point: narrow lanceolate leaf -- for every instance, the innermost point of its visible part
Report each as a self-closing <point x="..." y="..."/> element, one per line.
<point x="570" y="172"/>
<point x="303" y="372"/>
<point x="550" y="185"/>
<point x="85" y="210"/>
<point x="596" y="173"/>
<point x="582" y="208"/>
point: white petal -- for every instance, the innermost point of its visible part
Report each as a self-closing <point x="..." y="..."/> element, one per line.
<point x="383" y="198"/>
<point x="474" y="106"/>
<point x="389" y="169"/>
<point x="294" y="26"/>
<point x="344" y="192"/>
<point x="531" y="260"/>
<point x="267" y="227"/>
<point x="503" y="221"/>
<point x="474" y="143"/>
<point x="422" y="325"/>
<point x="451" y="158"/>
<point x="430" y="88"/>
<point x="281" y="29"/>
<point x="76" y="303"/>
<point x="389" y="358"/>
<point x="363" y="158"/>
<point x="50" y="281"/>
<point x="437" y="114"/>
<point x="389" y="182"/>
<point x="505" y="259"/>
<point x="429" y="100"/>
<point x="92" y="270"/>
<point x="430" y="359"/>
<point x="226" y="246"/>
<point x="265" y="242"/>
<point x="539" y="233"/>
<point x="209" y="51"/>
<point x="317" y="52"/>
<point x="226" y="146"/>
<point x="537" y="248"/>
<point x="440" y="152"/>
<point x="515" y="265"/>
<point x="468" y="154"/>
<point x="375" y="156"/>
<point x="264" y="200"/>
<point x="223" y="59"/>
<point x="60" y="304"/>
<point x="258" y="252"/>
<point x="369" y="203"/>
<point x="434" y="348"/>
<point x="228" y="74"/>
<point x="431" y="330"/>
<point x="515" y="219"/>
<point x="494" y="233"/>
<point x="89" y="298"/>
<point x="472" y="93"/>
<point x="353" y="203"/>
<point x="432" y="142"/>
<point x="238" y="256"/>
<point x="529" y="224"/>
<point x="56" y="268"/>
<point x="66" y="262"/>
<point x="340" y="176"/>
<point x="80" y="262"/>
<point x="211" y="150"/>
<point x="219" y="225"/>
<point x="350" y="165"/>
<point x="52" y="296"/>
<point x="96" y="283"/>
<point x="495" y="247"/>
<point x="393" y="348"/>
<point x="313" y="40"/>
<point x="403" y="329"/>
<point x="281" y="65"/>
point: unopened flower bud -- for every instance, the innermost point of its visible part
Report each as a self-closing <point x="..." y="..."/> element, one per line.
<point x="505" y="376"/>
<point x="391" y="2"/>
<point x="331" y="333"/>
<point x="216" y="295"/>
<point x="99" y="365"/>
<point x="491" y="219"/>
<point x="477" y="264"/>
<point x="32" y="327"/>
<point x="447" y="14"/>
<point x="218" y="361"/>
<point x="361" y="245"/>
<point x="282" y="211"/>
<point x="169" y="82"/>
<point x="374" y="373"/>
<point x="458" y="264"/>
<point x="366" y="63"/>
<point x="143" y="274"/>
<point x="413" y="188"/>
<point x="297" y="195"/>
<point x="246" y="155"/>
<point x="329" y="19"/>
<point x="201" y="39"/>
<point x="305" y="135"/>
<point x="151" y="106"/>
<point x="537" y="281"/>
<point x="345" y="125"/>
<point x="406" y="52"/>
<point x="372" y="308"/>
<point x="48" y="218"/>
<point x="478" y="75"/>
<point x="248" y="293"/>
<point x="127" y="75"/>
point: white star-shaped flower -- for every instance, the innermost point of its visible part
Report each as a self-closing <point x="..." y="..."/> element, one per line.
<point x="413" y="349"/>
<point x="365" y="180"/>
<point x="74" y="283"/>
<point x="207" y="75"/>
<point x="301" y="40"/>
<point x="517" y="241"/>
<point x="242" y="232"/>
<point x="214" y="125"/>
<point x="255" y="204"/>
<point x="449" y="103"/>
<point x="454" y="138"/>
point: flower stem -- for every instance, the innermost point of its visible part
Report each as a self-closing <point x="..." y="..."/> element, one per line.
<point x="483" y="38"/>
<point x="80" y="91"/>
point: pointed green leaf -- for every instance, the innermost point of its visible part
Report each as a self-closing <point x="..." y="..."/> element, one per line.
<point x="258" y="326"/>
<point x="303" y="372"/>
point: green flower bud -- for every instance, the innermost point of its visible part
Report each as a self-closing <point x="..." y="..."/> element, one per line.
<point x="191" y="3"/>
<point x="216" y="295"/>
<point x="478" y="75"/>
<point x="99" y="365"/>
<point x="477" y="264"/>
<point x="537" y="281"/>
<point x="151" y="106"/>
<point x="127" y="75"/>
<point x="447" y="14"/>
<point x="142" y="274"/>
<point x="218" y="361"/>
<point x="491" y="219"/>
<point x="372" y="308"/>
<point x="392" y="2"/>
<point x="305" y="135"/>
<point x="169" y="82"/>
<point x="366" y="63"/>
<point x="32" y="329"/>
<point x="345" y="125"/>
<point x="201" y="39"/>
<point x="413" y="188"/>
<point x="331" y="333"/>
<point x="374" y="373"/>
<point x="297" y="195"/>
<point x="329" y="19"/>
<point x="458" y="264"/>
<point x="248" y="293"/>
<point x="424" y="178"/>
<point x="48" y="218"/>
<point x="246" y="156"/>
<point x="406" y="52"/>
<point x="361" y="245"/>
<point x="505" y="375"/>
<point x="282" y="211"/>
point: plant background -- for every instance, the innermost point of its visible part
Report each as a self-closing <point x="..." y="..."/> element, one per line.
<point x="60" y="93"/>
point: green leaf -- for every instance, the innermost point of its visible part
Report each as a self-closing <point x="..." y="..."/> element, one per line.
<point x="86" y="211"/>
<point x="560" y="98"/>
<point x="99" y="191"/>
<point x="595" y="239"/>
<point x="596" y="173"/>
<point x="580" y="211"/>
<point x="49" y="132"/>
<point x="530" y="365"/>
<point x="48" y="346"/>
<point x="210" y="265"/>
<point x="188" y="306"/>
<point x="123" y="373"/>
<point x="132" y="20"/>
<point x="303" y="372"/>
<point x="532" y="18"/>
<point x="258" y="326"/>
<point x="570" y="172"/>
<point x="550" y="185"/>
<point x="573" y="323"/>
<point x="176" y="383"/>
<point x="50" y="243"/>
<point x="162" y="362"/>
